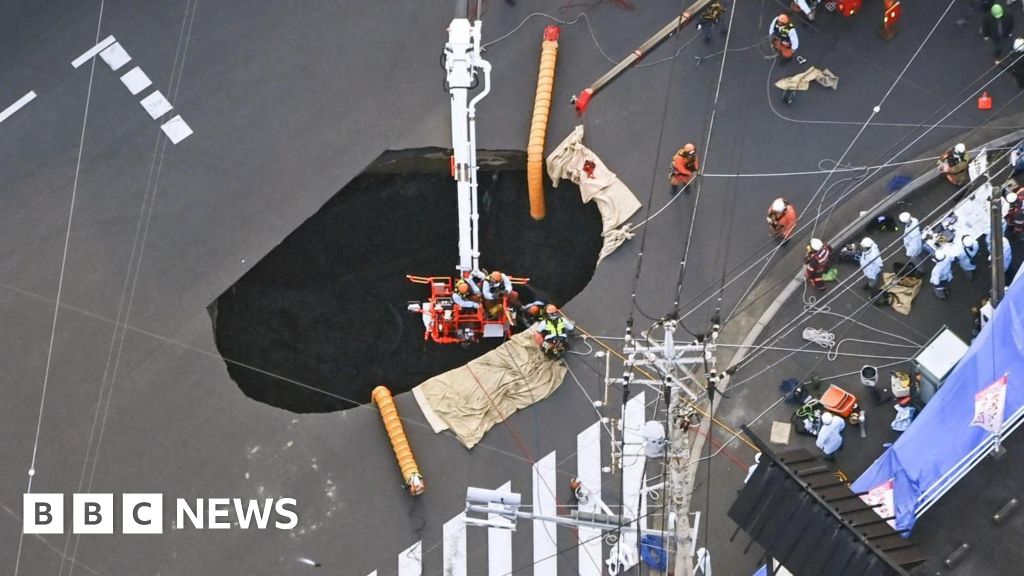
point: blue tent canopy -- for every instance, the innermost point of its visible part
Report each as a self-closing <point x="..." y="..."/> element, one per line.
<point x="941" y="446"/>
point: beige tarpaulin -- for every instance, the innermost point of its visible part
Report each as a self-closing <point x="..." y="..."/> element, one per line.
<point x="574" y="161"/>
<point x="901" y="294"/>
<point x="470" y="399"/>
<point x="802" y="81"/>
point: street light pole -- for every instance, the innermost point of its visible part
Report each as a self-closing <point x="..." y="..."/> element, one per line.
<point x="995" y="235"/>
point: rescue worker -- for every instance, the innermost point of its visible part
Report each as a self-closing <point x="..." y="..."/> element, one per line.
<point x="965" y="256"/>
<point x="870" y="260"/>
<point x="1014" y="63"/>
<point x="532" y="313"/>
<point x="817" y="262"/>
<point x="1014" y="216"/>
<point x="830" y="435"/>
<point x="710" y="18"/>
<point x="496" y="286"/>
<point x="954" y="164"/>
<point x="912" y="242"/>
<point x="781" y="219"/>
<point x="554" y="331"/>
<point x="1007" y="252"/>
<point x="684" y="165"/>
<point x="783" y="36"/>
<point x="1017" y="154"/>
<point x="998" y="27"/>
<point x="942" y="274"/>
<point x="466" y="293"/>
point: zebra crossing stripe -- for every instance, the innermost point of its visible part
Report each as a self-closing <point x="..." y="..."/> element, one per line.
<point x="410" y="561"/>
<point x="545" y="542"/>
<point x="454" y="534"/>
<point x="634" y="416"/>
<point x="499" y="544"/>
<point x="588" y="471"/>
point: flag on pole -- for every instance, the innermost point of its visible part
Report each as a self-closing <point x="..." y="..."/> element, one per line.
<point x="990" y="406"/>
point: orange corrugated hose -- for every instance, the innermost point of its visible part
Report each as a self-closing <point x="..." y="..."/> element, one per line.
<point x="539" y="123"/>
<point x="393" y="424"/>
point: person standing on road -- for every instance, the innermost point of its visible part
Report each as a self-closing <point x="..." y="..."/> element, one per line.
<point x="870" y="259"/>
<point x="817" y="262"/>
<point x="965" y="257"/>
<point x="783" y="36"/>
<point x="781" y="219"/>
<point x="710" y="18"/>
<point x="942" y="274"/>
<point x="954" y="164"/>
<point x="830" y="436"/>
<point x="998" y="27"/>
<point x="684" y="165"/>
<point x="912" y="243"/>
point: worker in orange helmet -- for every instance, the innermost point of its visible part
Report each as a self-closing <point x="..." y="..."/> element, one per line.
<point x="781" y="219"/>
<point x="782" y="33"/>
<point x="466" y="293"/>
<point x="684" y="165"/>
<point x="497" y="287"/>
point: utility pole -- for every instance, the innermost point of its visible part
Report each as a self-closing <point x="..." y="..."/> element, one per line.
<point x="995" y="234"/>
<point x="674" y="363"/>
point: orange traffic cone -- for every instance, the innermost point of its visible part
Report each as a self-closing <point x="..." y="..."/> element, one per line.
<point x="984" y="101"/>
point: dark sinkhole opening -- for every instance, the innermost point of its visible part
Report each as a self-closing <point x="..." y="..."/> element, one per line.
<point x="322" y="319"/>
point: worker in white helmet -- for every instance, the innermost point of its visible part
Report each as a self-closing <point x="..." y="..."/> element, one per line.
<point x="1007" y="252"/>
<point x="953" y="164"/>
<point x="1013" y="223"/>
<point x="870" y="259"/>
<point x="912" y="243"/>
<point x="830" y="435"/>
<point x="1014" y="63"/>
<point x="817" y="262"/>
<point x="965" y="256"/>
<point x="781" y="219"/>
<point x="942" y="274"/>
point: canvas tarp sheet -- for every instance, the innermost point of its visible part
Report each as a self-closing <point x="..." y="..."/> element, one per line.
<point x="614" y="199"/>
<point x="941" y="444"/>
<point x="902" y="292"/>
<point x="802" y="81"/>
<point x="470" y="399"/>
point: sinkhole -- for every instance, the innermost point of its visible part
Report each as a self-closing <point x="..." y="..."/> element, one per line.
<point x="321" y="320"/>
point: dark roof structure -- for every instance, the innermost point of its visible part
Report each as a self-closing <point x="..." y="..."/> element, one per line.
<point x="803" y="514"/>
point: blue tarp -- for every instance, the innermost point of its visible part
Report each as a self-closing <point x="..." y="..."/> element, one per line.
<point x="941" y="442"/>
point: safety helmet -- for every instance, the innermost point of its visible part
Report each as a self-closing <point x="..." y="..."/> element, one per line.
<point x="827" y="418"/>
<point x="784" y="19"/>
<point x="462" y="287"/>
<point x="997" y="10"/>
<point x="495" y="276"/>
<point x="533" y="310"/>
<point x="551" y="309"/>
<point x="905" y="217"/>
<point x="816" y="244"/>
<point x="969" y="241"/>
<point x="778" y="205"/>
<point x="689" y="148"/>
<point x="960" y="148"/>
<point x="1012" y="196"/>
<point x="940" y="253"/>
<point x="866" y="243"/>
<point x="1018" y="45"/>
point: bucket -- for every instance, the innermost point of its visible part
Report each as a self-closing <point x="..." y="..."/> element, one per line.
<point x="869" y="376"/>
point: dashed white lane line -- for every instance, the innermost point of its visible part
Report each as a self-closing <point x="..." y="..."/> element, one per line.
<point x="115" y="56"/>
<point x="91" y="52"/>
<point x="10" y="110"/>
<point x="156" y="105"/>
<point x="136" y="81"/>
<point x="176" y="129"/>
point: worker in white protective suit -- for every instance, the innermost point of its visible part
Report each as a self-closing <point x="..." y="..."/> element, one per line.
<point x="912" y="242"/>
<point x="808" y="7"/>
<point x="830" y="435"/>
<point x="1007" y="252"/>
<point x="870" y="259"/>
<point x="942" y="274"/>
<point x="965" y="257"/>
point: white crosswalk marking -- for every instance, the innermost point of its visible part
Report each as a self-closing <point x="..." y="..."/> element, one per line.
<point x="588" y="471"/>
<point x="633" y="457"/>
<point x="499" y="544"/>
<point x="545" y="542"/>
<point x="454" y="534"/>
<point x="410" y="561"/>
<point x="374" y="573"/>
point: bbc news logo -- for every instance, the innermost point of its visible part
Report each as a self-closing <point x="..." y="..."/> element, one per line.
<point x="144" y="514"/>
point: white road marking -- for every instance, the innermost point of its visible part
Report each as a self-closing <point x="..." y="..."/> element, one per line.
<point x="176" y="129"/>
<point x="91" y="52"/>
<point x="633" y="460"/>
<point x="156" y="105"/>
<point x="10" y="110"/>
<point x="545" y="541"/>
<point x="588" y="471"/>
<point x="499" y="543"/>
<point x="115" y="56"/>
<point x="374" y="573"/>
<point x="410" y="561"/>
<point x="136" y="80"/>
<point x="454" y="535"/>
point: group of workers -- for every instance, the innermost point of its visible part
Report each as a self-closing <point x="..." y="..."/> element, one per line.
<point x="492" y="291"/>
